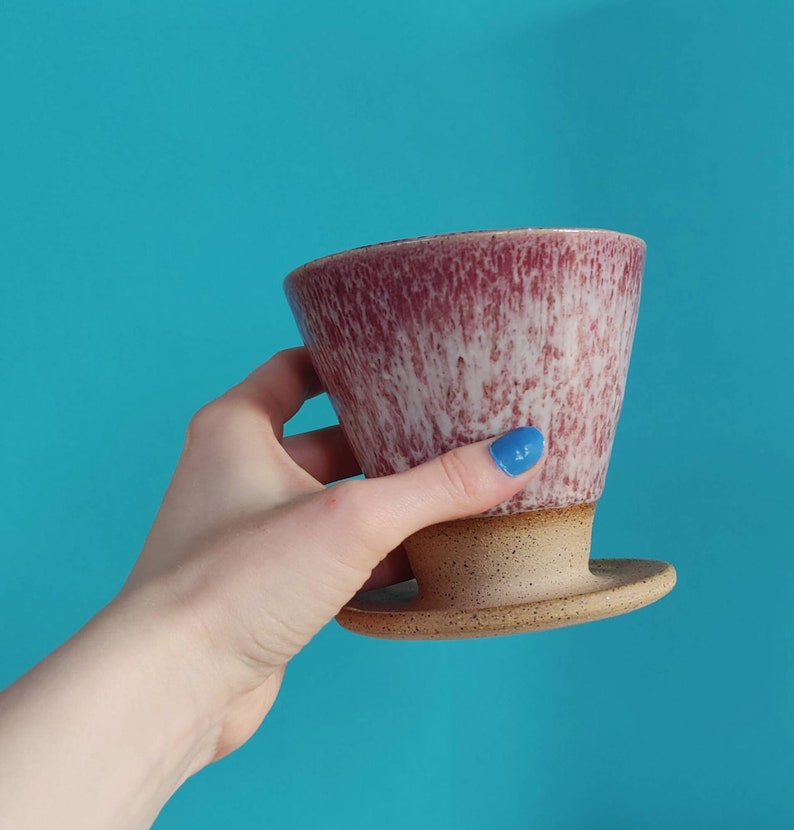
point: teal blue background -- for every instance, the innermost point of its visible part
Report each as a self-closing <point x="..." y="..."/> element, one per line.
<point x="163" y="165"/>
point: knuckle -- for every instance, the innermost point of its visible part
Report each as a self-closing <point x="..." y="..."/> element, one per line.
<point x="345" y="499"/>
<point x="348" y="511"/>
<point x="459" y="482"/>
<point x="212" y="419"/>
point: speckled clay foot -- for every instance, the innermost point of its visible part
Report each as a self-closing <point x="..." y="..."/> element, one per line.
<point x="506" y="575"/>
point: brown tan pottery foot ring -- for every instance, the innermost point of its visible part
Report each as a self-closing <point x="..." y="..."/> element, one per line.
<point x="506" y="575"/>
<point x="395" y="613"/>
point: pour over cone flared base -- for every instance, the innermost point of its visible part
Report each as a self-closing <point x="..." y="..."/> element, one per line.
<point x="614" y="587"/>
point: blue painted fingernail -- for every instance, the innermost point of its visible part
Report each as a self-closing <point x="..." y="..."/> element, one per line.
<point x="515" y="452"/>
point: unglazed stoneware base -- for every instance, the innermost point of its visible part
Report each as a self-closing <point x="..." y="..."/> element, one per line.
<point x="506" y="575"/>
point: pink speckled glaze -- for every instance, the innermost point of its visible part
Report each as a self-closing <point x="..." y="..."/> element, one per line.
<point x="430" y="343"/>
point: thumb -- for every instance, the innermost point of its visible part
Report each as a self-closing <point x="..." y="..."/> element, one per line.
<point x="381" y="512"/>
<point x="347" y="529"/>
<point x="463" y="482"/>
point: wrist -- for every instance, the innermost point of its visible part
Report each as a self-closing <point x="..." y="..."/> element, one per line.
<point x="111" y="723"/>
<point x="174" y="672"/>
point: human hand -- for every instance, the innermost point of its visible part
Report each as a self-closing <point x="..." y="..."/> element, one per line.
<point x="250" y="556"/>
<point x="263" y="555"/>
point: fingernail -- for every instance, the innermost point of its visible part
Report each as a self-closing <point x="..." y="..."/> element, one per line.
<point x="517" y="451"/>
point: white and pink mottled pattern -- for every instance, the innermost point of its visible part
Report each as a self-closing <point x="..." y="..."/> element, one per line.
<point x="427" y="344"/>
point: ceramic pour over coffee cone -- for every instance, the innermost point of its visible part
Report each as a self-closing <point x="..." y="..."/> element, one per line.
<point x="427" y="344"/>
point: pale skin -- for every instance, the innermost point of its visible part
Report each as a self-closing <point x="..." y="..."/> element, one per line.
<point x="250" y="555"/>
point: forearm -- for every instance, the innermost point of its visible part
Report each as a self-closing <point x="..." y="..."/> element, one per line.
<point x="102" y="732"/>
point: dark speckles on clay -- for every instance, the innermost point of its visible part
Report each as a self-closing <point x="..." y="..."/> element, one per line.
<point x="520" y="573"/>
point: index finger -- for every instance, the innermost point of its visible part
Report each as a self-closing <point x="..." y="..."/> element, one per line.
<point x="279" y="387"/>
